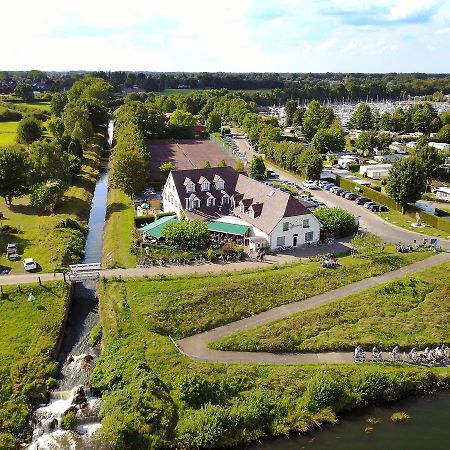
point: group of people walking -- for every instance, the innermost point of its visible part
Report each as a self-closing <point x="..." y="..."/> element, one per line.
<point x="439" y="355"/>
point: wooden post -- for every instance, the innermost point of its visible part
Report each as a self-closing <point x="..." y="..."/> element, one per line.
<point x="40" y="281"/>
<point x="1" y="290"/>
<point x="64" y="276"/>
<point x="19" y="288"/>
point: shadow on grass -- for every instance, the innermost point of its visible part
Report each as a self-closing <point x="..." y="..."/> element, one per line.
<point x="76" y="206"/>
<point x="115" y="207"/>
<point x="28" y="210"/>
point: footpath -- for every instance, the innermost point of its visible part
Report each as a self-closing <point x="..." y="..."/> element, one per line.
<point x="196" y="347"/>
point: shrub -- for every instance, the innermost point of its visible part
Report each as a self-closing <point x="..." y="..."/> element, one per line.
<point x="206" y="427"/>
<point x="186" y="234"/>
<point x="8" y="115"/>
<point x="369" y="385"/>
<point x="71" y="224"/>
<point x="68" y="420"/>
<point x="353" y="167"/>
<point x="336" y="221"/>
<point x="142" y="221"/>
<point x="323" y="391"/>
<point x="195" y="390"/>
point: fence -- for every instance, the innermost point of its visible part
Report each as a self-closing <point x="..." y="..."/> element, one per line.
<point x="221" y="143"/>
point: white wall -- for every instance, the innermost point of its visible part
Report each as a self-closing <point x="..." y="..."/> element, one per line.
<point x="295" y="227"/>
<point x="170" y="197"/>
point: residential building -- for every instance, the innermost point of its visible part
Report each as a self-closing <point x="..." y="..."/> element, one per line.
<point x="375" y="171"/>
<point x="397" y="147"/>
<point x="443" y="193"/>
<point x="221" y="194"/>
<point x="440" y="146"/>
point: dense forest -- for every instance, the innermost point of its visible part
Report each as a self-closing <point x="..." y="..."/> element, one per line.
<point x="275" y="88"/>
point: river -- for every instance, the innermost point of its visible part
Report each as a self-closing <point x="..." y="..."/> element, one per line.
<point x="427" y="429"/>
<point x="77" y="358"/>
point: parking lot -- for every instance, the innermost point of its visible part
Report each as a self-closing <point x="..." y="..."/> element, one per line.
<point x="185" y="154"/>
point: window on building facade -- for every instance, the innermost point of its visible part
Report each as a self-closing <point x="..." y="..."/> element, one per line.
<point x="225" y="200"/>
<point x="305" y="223"/>
<point x="281" y="241"/>
<point x="205" y="186"/>
<point x="196" y="203"/>
<point x="210" y="201"/>
<point x="285" y="226"/>
<point x="190" y="187"/>
<point x="219" y="185"/>
<point x="309" y="236"/>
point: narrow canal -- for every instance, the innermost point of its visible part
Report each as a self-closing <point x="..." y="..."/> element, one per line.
<point x="77" y="358"/>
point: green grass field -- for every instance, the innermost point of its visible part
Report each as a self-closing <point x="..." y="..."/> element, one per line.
<point x="154" y="397"/>
<point x="29" y="331"/>
<point x="411" y="312"/>
<point x="37" y="237"/>
<point x="118" y="231"/>
<point x="8" y="133"/>
<point x="182" y="306"/>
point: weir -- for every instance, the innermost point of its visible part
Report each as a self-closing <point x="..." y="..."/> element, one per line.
<point x="76" y="357"/>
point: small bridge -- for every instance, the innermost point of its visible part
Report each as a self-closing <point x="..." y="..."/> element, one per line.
<point x="82" y="272"/>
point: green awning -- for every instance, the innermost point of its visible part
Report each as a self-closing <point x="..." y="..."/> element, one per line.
<point x="155" y="228"/>
<point x="228" y="228"/>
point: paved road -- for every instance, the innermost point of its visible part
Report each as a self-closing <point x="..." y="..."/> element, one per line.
<point x="196" y="347"/>
<point x="368" y="220"/>
<point x="340" y="246"/>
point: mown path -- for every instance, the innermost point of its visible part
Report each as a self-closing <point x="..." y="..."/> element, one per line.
<point x="196" y="347"/>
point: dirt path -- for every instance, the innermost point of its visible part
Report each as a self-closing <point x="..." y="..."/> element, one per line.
<point x="196" y="347"/>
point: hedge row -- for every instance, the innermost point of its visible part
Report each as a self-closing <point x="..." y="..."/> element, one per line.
<point x="368" y="192"/>
<point x="430" y="219"/>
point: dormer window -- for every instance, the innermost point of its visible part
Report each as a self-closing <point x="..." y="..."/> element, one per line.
<point x="195" y="203"/>
<point x="219" y="182"/>
<point x="225" y="200"/>
<point x="210" y="201"/>
<point x="205" y="185"/>
<point x="190" y="187"/>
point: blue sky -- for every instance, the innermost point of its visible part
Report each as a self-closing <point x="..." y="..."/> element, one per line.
<point x="234" y="35"/>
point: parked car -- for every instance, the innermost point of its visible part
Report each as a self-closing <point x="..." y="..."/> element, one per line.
<point x="378" y="208"/>
<point x="308" y="184"/>
<point x="342" y="194"/>
<point x="335" y="188"/>
<point x="329" y="186"/>
<point x="29" y="264"/>
<point x="351" y="196"/>
<point x="11" y="252"/>
<point x="368" y="204"/>
<point x="362" y="200"/>
<point x="337" y="191"/>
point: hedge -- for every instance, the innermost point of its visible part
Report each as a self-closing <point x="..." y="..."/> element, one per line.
<point x="145" y="220"/>
<point x="430" y="219"/>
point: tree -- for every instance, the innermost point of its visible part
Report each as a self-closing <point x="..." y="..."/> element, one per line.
<point x="222" y="163"/>
<point x="28" y="131"/>
<point x="58" y="103"/>
<point x="367" y="140"/>
<point x="422" y="116"/>
<point x="297" y="117"/>
<point x="383" y="141"/>
<point x="186" y="234"/>
<point x="310" y="164"/>
<point x="46" y="161"/>
<point x="362" y="118"/>
<point x="181" y="123"/>
<point x="329" y="140"/>
<point x="13" y="181"/>
<point x="206" y="165"/>
<point x="444" y="134"/>
<point x="75" y="148"/>
<point x="311" y="120"/>
<point x="336" y="221"/>
<point x="24" y="91"/>
<point x="165" y="168"/>
<point x="128" y="170"/>
<point x="407" y="181"/>
<point x="289" y="108"/>
<point x="76" y="122"/>
<point x="56" y="127"/>
<point x="239" y="166"/>
<point x="213" y="122"/>
<point x="431" y="159"/>
<point x="47" y="195"/>
<point x="257" y="167"/>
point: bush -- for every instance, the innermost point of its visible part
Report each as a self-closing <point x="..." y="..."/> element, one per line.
<point x="144" y="220"/>
<point x="187" y="234"/>
<point x="8" y="115"/>
<point x="196" y="390"/>
<point x="323" y="391"/>
<point x="369" y="385"/>
<point x="353" y="167"/>
<point x="336" y="221"/>
<point x="68" y="420"/>
<point x="72" y="224"/>
<point x="164" y="214"/>
<point x="206" y="427"/>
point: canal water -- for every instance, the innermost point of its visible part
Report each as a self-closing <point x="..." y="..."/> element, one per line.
<point x="428" y="429"/>
<point x="77" y="358"/>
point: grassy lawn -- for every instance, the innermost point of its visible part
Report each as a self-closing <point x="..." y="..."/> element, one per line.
<point x="8" y="133"/>
<point x="404" y="221"/>
<point x="182" y="306"/>
<point x="29" y="330"/>
<point x="43" y="106"/>
<point x="37" y="236"/>
<point x="154" y="397"/>
<point x="411" y="312"/>
<point x="118" y="232"/>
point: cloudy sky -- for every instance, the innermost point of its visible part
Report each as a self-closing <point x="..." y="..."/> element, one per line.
<point x="233" y="35"/>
